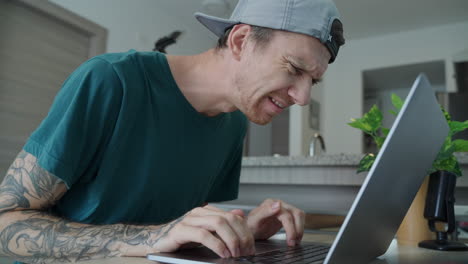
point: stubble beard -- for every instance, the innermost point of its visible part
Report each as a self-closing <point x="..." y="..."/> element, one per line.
<point x="250" y="106"/>
<point x="249" y="103"/>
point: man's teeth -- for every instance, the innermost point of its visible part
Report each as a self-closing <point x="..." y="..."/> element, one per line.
<point x="277" y="103"/>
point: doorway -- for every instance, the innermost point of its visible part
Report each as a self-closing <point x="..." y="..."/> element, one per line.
<point x="41" y="45"/>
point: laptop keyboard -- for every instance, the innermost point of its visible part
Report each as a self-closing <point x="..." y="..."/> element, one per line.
<point x="307" y="254"/>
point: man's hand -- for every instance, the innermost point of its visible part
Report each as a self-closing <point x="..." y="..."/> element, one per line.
<point x="226" y="233"/>
<point x="268" y="218"/>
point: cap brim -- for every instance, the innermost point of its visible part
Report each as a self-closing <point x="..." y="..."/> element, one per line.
<point x="215" y="24"/>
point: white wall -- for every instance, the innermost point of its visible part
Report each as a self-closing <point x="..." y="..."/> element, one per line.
<point x="138" y="24"/>
<point x="343" y="84"/>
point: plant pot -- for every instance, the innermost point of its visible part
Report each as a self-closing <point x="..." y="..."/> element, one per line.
<point x="414" y="227"/>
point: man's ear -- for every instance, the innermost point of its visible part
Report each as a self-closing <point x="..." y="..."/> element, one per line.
<point x="237" y="40"/>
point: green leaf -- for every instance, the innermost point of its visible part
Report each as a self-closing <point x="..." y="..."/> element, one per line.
<point x="366" y="163"/>
<point x="393" y="112"/>
<point x="379" y="141"/>
<point x="447" y="149"/>
<point x="460" y="145"/>
<point x="370" y="122"/>
<point x="446" y="114"/>
<point x="385" y="131"/>
<point x="457" y="170"/>
<point x="374" y="118"/>
<point x="456" y="126"/>
<point x="397" y="102"/>
<point x="360" y="124"/>
<point x="449" y="164"/>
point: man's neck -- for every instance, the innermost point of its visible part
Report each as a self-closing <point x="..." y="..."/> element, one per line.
<point x="204" y="81"/>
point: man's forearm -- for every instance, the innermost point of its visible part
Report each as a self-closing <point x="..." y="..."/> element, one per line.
<point x="30" y="235"/>
<point x="35" y="237"/>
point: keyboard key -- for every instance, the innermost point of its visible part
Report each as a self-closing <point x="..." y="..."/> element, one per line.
<point x="298" y="255"/>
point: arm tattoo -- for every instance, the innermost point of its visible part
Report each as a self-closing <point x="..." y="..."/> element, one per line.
<point x="34" y="236"/>
<point x="28" y="186"/>
<point x="45" y="239"/>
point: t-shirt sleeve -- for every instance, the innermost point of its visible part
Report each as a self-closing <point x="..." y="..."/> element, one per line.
<point x="226" y="188"/>
<point x="80" y="121"/>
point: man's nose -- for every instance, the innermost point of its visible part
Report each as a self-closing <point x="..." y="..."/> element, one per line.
<point x="300" y="92"/>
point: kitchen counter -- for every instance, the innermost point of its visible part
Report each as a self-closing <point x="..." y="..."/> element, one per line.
<point x="320" y="160"/>
<point x="337" y="169"/>
<point x="324" y="184"/>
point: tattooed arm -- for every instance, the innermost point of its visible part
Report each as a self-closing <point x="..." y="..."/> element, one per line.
<point x="29" y="234"/>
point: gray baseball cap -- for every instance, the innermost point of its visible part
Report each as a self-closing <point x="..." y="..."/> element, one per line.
<point x="310" y="17"/>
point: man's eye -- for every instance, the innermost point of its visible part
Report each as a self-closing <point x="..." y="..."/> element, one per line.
<point x="295" y="70"/>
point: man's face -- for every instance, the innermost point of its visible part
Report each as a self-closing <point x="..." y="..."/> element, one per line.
<point x="279" y="74"/>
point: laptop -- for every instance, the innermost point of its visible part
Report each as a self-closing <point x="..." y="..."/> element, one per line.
<point x="381" y="203"/>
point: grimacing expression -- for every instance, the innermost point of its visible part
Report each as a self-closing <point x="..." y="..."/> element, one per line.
<point x="276" y="75"/>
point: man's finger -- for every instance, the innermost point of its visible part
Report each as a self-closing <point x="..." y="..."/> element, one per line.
<point x="238" y="212"/>
<point x="299" y="220"/>
<point x="210" y="207"/>
<point x="237" y="223"/>
<point x="187" y="234"/>
<point x="287" y="220"/>
<point x="265" y="211"/>
<point x="219" y="225"/>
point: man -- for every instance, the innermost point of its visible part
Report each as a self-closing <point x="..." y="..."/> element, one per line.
<point x="136" y="144"/>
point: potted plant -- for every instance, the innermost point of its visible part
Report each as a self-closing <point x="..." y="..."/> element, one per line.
<point x="445" y="169"/>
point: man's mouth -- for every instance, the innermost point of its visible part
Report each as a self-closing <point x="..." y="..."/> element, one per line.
<point x="276" y="103"/>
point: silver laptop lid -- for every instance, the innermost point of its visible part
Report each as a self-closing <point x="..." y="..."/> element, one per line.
<point x="393" y="181"/>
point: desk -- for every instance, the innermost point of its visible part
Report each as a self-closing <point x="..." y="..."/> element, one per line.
<point x="395" y="255"/>
<point x="398" y="254"/>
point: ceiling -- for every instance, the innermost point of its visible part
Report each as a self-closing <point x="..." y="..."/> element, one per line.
<point x="366" y="18"/>
<point x="361" y="18"/>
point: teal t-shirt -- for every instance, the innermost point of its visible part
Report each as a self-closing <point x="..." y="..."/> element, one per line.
<point x="131" y="148"/>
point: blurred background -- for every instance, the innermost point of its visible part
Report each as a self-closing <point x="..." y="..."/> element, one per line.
<point x="388" y="43"/>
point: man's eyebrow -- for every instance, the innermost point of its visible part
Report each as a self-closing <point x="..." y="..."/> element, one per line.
<point x="298" y="63"/>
